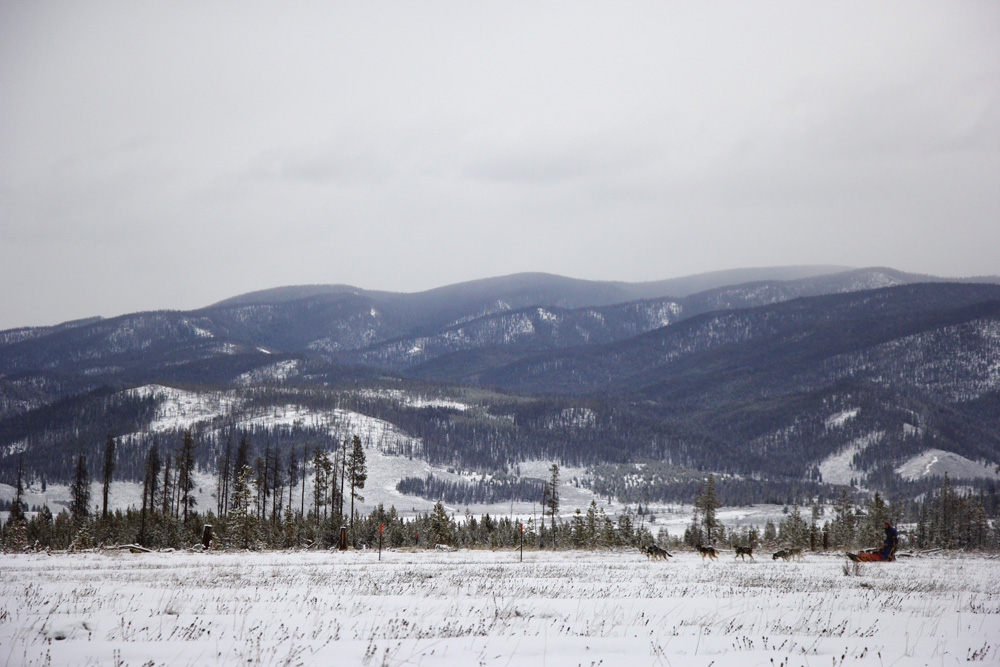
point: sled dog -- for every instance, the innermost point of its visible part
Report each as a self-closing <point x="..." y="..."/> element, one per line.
<point x="653" y="552"/>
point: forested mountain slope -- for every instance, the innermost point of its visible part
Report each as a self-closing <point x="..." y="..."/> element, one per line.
<point x="780" y="380"/>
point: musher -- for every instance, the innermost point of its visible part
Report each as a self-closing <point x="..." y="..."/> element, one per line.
<point x="889" y="544"/>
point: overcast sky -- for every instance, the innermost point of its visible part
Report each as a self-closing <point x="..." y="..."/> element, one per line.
<point x="169" y="155"/>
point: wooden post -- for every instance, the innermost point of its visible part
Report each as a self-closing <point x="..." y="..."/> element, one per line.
<point x="380" y="541"/>
<point x="522" y="542"/>
<point x="343" y="538"/>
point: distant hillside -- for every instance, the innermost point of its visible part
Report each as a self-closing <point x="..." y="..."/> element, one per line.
<point x="853" y="375"/>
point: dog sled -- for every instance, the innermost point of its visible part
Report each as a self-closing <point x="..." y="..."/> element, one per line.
<point x="872" y="556"/>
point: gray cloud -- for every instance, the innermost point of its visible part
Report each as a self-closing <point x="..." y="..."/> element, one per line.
<point x="170" y="155"/>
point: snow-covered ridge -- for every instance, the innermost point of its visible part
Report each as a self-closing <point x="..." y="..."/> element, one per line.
<point x="178" y="409"/>
<point x="414" y="400"/>
<point x="936" y="462"/>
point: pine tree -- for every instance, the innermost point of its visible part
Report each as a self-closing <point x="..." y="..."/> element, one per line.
<point x="579" y="530"/>
<point x="552" y="495"/>
<point x="707" y="504"/>
<point x="302" y="494"/>
<point x="357" y="472"/>
<point x="277" y="497"/>
<point x="770" y="533"/>
<point x="871" y="531"/>
<point x="293" y="475"/>
<point x="150" y="481"/>
<point x="109" y="469"/>
<point x="80" y="493"/>
<point x="222" y="483"/>
<point x="321" y="477"/>
<point x="242" y="521"/>
<point x="843" y="523"/>
<point x="440" y="524"/>
<point x="241" y="459"/>
<point x="167" y="487"/>
<point x="793" y="530"/>
<point x="978" y="524"/>
<point x="343" y="475"/>
<point x="17" y="507"/>
<point x="590" y="523"/>
<point x="185" y="474"/>
<point x="15" y="533"/>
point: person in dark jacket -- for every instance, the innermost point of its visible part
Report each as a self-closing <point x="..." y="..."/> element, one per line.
<point x="891" y="538"/>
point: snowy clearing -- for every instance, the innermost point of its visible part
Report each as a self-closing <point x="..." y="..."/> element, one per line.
<point x="486" y="608"/>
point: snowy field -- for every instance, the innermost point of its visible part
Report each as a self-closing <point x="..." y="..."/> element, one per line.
<point x="486" y="608"/>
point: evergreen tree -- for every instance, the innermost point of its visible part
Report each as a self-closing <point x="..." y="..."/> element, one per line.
<point x="222" y="483"/>
<point x="843" y="522"/>
<point x="770" y="533"/>
<point x="321" y="480"/>
<point x="793" y="530"/>
<point x="80" y="493"/>
<point x="277" y="497"/>
<point x="552" y="495"/>
<point x="357" y="472"/>
<point x="185" y="474"/>
<point x="440" y="524"/>
<point x="707" y="504"/>
<point x="871" y="532"/>
<point x="150" y="482"/>
<point x="625" y="535"/>
<point x="15" y="532"/>
<point x="39" y="529"/>
<point x="242" y="521"/>
<point x="167" y="487"/>
<point x="578" y="529"/>
<point x="293" y="475"/>
<point x="590" y="523"/>
<point x="343" y="475"/>
<point x="109" y="469"/>
<point x="606" y="536"/>
<point x="17" y="506"/>
<point x="241" y="459"/>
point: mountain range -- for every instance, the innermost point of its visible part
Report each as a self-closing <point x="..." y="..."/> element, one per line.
<point x="789" y="375"/>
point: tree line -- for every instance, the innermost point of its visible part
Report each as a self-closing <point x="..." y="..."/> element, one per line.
<point x="261" y="502"/>
<point x="947" y="519"/>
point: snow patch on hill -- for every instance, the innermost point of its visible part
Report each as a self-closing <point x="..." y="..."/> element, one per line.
<point x="179" y="409"/>
<point x="937" y="462"/>
<point x="273" y="373"/>
<point x="415" y="400"/>
<point x="841" y="418"/>
<point x="838" y="468"/>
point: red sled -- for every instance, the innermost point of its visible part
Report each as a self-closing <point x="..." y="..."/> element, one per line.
<point x="872" y="556"/>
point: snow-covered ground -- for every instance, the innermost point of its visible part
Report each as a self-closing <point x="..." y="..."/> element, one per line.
<point x="434" y="608"/>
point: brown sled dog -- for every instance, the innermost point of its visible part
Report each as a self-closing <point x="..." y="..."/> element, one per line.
<point x="708" y="552"/>
<point x="743" y="552"/>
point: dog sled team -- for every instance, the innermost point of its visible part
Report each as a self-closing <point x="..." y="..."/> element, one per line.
<point x="886" y="553"/>
<point x="655" y="552"/>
